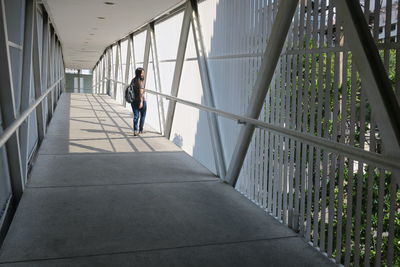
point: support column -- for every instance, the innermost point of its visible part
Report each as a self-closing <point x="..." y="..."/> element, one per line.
<point x="120" y="70"/>
<point x="50" y="76"/>
<point x="8" y="112"/>
<point x="98" y="76"/>
<point x="56" y="68"/>
<point x="38" y="78"/>
<point x="271" y="56"/>
<point x="157" y="78"/>
<point x="127" y="66"/>
<point x="26" y="84"/>
<point x="215" y="132"/>
<point x="180" y="58"/>
<point x="374" y="78"/>
<point x="108" y="89"/>
<point x="133" y="64"/>
<point x="45" y="64"/>
<point x="79" y="81"/>
<point x="104" y="80"/>
<point x="146" y="54"/>
<point x="116" y="70"/>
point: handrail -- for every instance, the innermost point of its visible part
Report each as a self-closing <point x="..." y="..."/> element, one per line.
<point x="356" y="153"/>
<point x="15" y="125"/>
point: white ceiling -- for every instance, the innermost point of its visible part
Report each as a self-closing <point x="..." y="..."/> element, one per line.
<point x="84" y="36"/>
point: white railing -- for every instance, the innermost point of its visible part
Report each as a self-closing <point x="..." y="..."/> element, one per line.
<point x="15" y="125"/>
<point x="392" y="164"/>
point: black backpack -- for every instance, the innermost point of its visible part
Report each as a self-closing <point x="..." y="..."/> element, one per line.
<point x="129" y="93"/>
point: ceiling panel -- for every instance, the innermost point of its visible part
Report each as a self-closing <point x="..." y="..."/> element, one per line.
<point x="87" y="27"/>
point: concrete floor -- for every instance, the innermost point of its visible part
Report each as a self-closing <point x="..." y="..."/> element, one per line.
<point x="98" y="196"/>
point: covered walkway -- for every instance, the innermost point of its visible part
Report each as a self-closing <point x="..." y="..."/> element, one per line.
<point x="272" y="133"/>
<point x="98" y="196"/>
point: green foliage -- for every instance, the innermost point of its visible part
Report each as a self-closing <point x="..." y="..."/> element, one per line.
<point x="323" y="81"/>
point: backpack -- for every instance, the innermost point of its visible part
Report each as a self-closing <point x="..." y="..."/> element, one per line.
<point x="129" y="93"/>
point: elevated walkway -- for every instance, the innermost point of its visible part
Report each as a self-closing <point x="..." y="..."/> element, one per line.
<point x="98" y="196"/>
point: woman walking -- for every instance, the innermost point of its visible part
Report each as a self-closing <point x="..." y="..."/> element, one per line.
<point x="139" y="105"/>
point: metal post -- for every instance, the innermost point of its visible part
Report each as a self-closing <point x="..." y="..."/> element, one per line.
<point x="26" y="84"/>
<point x="79" y="81"/>
<point x="98" y="70"/>
<point x="120" y="70"/>
<point x="127" y="66"/>
<point x="7" y="106"/>
<point x="271" y="56"/>
<point x="157" y="78"/>
<point x="116" y="70"/>
<point x="99" y="73"/>
<point x="374" y="77"/>
<point x="108" y="89"/>
<point x="103" y="82"/>
<point x="133" y="64"/>
<point x="215" y="132"/>
<point x="60" y="67"/>
<point x="146" y="53"/>
<point x="51" y="69"/>
<point x="56" y="67"/>
<point x="180" y="58"/>
<point x="36" y="60"/>
<point x="45" y="63"/>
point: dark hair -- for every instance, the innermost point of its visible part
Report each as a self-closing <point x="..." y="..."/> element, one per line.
<point x="138" y="71"/>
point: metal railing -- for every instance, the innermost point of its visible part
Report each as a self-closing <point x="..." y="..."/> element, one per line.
<point x="15" y="125"/>
<point x="379" y="160"/>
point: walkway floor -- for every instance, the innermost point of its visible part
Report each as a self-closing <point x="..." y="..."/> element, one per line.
<point x="98" y="196"/>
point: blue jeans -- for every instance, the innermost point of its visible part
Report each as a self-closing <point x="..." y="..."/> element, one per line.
<point x="139" y="115"/>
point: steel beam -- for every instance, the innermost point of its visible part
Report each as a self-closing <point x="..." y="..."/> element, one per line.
<point x="26" y="84"/>
<point x="36" y="61"/>
<point x="146" y="58"/>
<point x="8" y="112"/>
<point x="271" y="56"/>
<point x="157" y="78"/>
<point x="133" y="64"/>
<point x="127" y="66"/>
<point x="103" y="83"/>
<point x="45" y="63"/>
<point x="374" y="78"/>
<point x="120" y="69"/>
<point x="98" y="75"/>
<point x="180" y="58"/>
<point x="116" y="70"/>
<point x="58" y="69"/>
<point x="215" y="132"/>
<point x="54" y="69"/>
<point x="50" y="78"/>
<point x="108" y="89"/>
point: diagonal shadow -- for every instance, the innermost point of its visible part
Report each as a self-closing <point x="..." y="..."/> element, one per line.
<point x="116" y="124"/>
<point x="145" y="142"/>
<point x="89" y="147"/>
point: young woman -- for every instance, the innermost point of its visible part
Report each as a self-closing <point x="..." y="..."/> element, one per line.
<point x="139" y="105"/>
